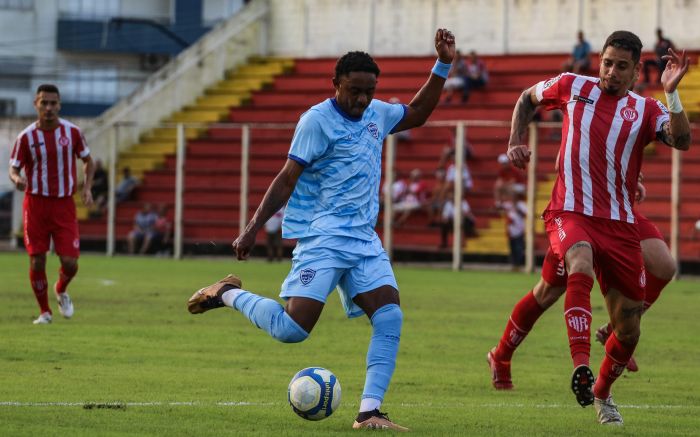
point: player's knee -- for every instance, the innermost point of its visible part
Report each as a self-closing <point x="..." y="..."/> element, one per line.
<point x="288" y="331"/>
<point x="388" y="320"/>
<point x="37" y="263"/>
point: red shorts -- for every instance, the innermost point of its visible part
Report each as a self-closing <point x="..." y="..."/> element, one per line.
<point x="51" y="217"/>
<point x="647" y="229"/>
<point x="617" y="254"/>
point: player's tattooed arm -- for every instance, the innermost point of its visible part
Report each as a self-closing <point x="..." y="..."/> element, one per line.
<point x="523" y="113"/>
<point x="676" y="133"/>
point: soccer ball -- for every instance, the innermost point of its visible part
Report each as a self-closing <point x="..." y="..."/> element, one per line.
<point x="314" y="393"/>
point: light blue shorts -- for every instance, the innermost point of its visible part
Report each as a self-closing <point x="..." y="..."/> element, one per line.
<point x="320" y="264"/>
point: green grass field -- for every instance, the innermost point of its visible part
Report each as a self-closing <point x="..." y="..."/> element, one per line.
<point x="132" y="345"/>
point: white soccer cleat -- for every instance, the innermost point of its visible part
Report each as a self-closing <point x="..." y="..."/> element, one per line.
<point x="65" y="305"/>
<point x="43" y="319"/>
<point x="607" y="411"/>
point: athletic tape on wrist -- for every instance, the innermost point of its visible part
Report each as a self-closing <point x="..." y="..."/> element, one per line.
<point x="441" y="69"/>
<point x="673" y="101"/>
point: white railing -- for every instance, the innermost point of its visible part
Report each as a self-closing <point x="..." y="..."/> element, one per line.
<point x="460" y="129"/>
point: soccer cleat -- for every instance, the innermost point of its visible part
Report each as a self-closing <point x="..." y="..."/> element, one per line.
<point x="376" y="420"/>
<point x="607" y="411"/>
<point x="602" y="335"/>
<point x="65" y="305"/>
<point x="582" y="385"/>
<point x="500" y="372"/>
<point x="209" y="297"/>
<point x="43" y="319"/>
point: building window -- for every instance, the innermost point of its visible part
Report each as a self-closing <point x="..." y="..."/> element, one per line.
<point x="90" y="84"/>
<point x="16" y="4"/>
<point x="8" y="108"/>
<point x="89" y="9"/>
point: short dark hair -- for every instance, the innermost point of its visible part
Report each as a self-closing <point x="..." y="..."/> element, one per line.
<point x="355" y="61"/>
<point x="48" y="88"/>
<point x="622" y="39"/>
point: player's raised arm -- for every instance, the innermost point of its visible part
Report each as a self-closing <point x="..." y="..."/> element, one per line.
<point x="675" y="133"/>
<point x="428" y="96"/>
<point x="524" y="111"/>
<point x="275" y="198"/>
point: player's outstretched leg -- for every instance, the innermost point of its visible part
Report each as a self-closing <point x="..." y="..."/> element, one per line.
<point x="264" y="313"/>
<point x="582" y="385"/>
<point x="381" y="361"/>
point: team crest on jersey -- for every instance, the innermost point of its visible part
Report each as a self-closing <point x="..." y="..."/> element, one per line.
<point x="306" y="276"/>
<point x="63" y="141"/>
<point x="629" y="114"/>
<point x="374" y="130"/>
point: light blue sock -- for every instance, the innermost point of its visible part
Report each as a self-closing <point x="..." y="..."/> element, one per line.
<point x="269" y="316"/>
<point x="383" y="348"/>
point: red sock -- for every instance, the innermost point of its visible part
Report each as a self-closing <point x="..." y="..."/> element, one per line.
<point x="524" y="315"/>
<point x="577" y="313"/>
<point x="653" y="289"/>
<point x="617" y="354"/>
<point x="39" y="285"/>
<point x="64" y="278"/>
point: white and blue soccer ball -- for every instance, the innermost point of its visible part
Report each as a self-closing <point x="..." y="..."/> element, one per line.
<point x="314" y="393"/>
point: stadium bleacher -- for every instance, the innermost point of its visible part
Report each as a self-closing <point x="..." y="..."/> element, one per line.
<point x="211" y="207"/>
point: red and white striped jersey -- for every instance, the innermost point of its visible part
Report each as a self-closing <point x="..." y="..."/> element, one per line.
<point x="48" y="158"/>
<point x="603" y="138"/>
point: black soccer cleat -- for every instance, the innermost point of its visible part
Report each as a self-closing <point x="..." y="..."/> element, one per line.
<point x="582" y="385"/>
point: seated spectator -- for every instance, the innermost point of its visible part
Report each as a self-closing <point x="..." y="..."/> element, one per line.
<point x="436" y="199"/>
<point x="126" y="186"/>
<point x="273" y="229"/>
<point x="509" y="178"/>
<point x="162" y="232"/>
<point x="143" y="233"/>
<point x="451" y="170"/>
<point x="515" y="210"/>
<point x="447" y="219"/>
<point x="658" y="63"/>
<point x="100" y="189"/>
<point x="580" y="60"/>
<point x="456" y="79"/>
<point x="413" y="197"/>
<point x="477" y="76"/>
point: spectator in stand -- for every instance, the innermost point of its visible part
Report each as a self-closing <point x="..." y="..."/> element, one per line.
<point x="580" y="60"/>
<point x="447" y="160"/>
<point x="437" y="198"/>
<point x="457" y="79"/>
<point x="144" y="230"/>
<point x="477" y="75"/>
<point x="162" y="231"/>
<point x="515" y="211"/>
<point x="273" y="229"/>
<point x="414" y="197"/>
<point x="448" y="214"/>
<point x="126" y="186"/>
<point x="509" y="179"/>
<point x="658" y="63"/>
<point x="100" y="189"/>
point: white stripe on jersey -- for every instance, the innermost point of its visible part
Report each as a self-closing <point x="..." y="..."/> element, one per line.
<point x="44" y="163"/>
<point x="35" y="164"/>
<point x="585" y="152"/>
<point x="568" y="176"/>
<point x="59" y="161"/>
<point x="615" y="128"/>
<point x="625" y="159"/>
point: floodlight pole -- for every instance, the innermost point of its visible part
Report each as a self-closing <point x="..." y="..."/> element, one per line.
<point x="675" y="204"/>
<point x="457" y="218"/>
<point x="179" y="189"/>
<point x="245" y="158"/>
<point x="531" y="201"/>
<point x="389" y="177"/>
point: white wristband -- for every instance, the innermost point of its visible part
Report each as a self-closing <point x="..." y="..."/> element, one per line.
<point x="673" y="101"/>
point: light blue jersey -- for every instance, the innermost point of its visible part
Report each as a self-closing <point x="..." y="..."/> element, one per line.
<point x="337" y="194"/>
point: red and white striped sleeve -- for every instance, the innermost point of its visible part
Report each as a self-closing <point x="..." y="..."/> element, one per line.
<point x="18" y="155"/>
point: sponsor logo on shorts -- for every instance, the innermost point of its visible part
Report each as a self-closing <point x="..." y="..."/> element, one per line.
<point x="561" y="269"/>
<point x="643" y="278"/>
<point x="306" y="276"/>
<point x="76" y="243"/>
<point x="560" y="228"/>
<point x="629" y="114"/>
<point x="63" y="141"/>
<point x="374" y="130"/>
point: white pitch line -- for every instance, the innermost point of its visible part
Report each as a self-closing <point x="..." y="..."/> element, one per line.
<point x="117" y="405"/>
